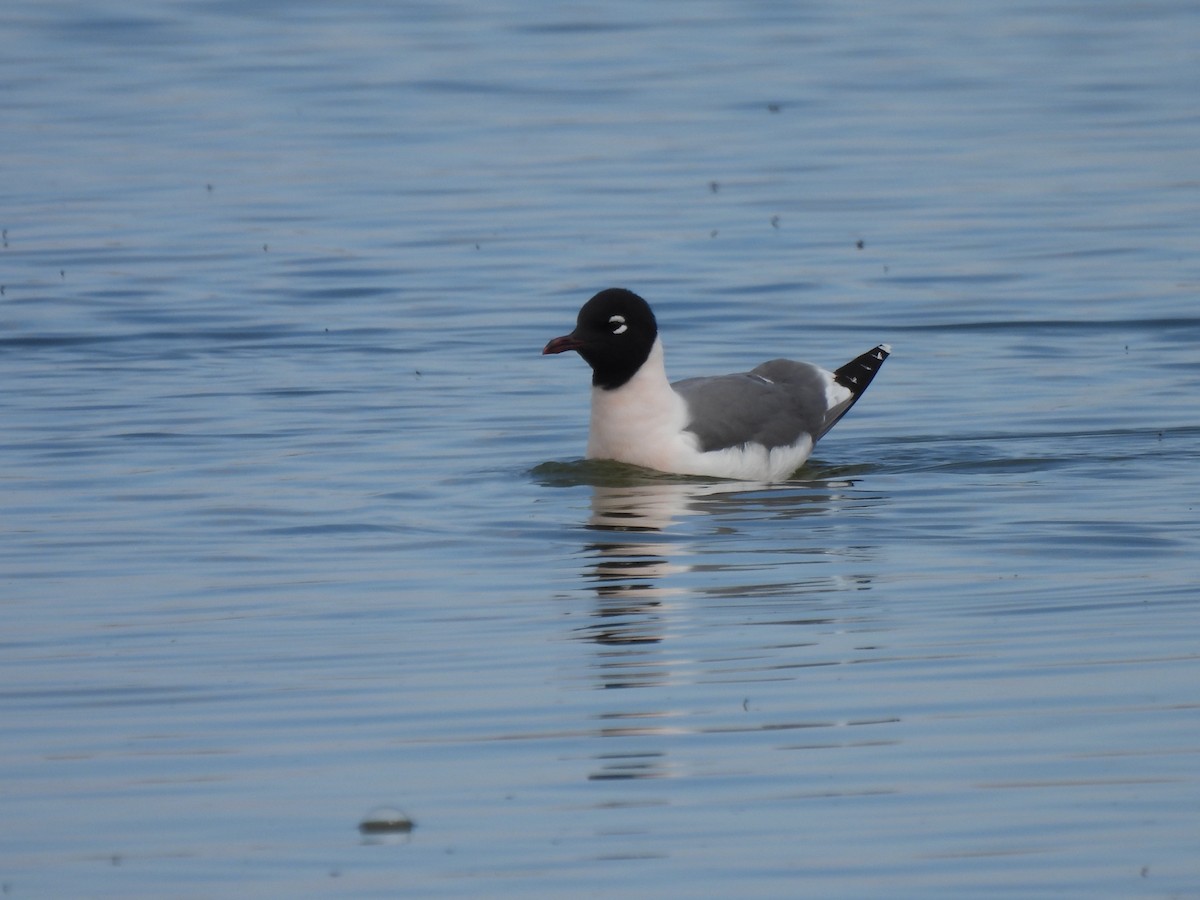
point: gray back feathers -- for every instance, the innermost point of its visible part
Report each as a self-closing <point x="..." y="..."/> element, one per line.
<point x="773" y="405"/>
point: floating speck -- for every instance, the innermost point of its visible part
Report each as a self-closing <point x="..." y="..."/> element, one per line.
<point x="386" y="820"/>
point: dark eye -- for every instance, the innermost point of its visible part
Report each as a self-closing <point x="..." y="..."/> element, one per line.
<point x="618" y="324"/>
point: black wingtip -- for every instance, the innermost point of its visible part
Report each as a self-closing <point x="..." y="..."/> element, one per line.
<point x="857" y="374"/>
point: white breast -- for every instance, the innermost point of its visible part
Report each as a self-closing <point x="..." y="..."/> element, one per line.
<point x="642" y="421"/>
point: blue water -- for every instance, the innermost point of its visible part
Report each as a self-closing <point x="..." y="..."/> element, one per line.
<point x="294" y="524"/>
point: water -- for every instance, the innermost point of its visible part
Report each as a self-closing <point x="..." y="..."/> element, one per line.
<point x="295" y="525"/>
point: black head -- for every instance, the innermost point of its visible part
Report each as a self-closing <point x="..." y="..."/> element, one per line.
<point x="614" y="333"/>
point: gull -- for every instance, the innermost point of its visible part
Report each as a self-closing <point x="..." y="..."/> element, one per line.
<point x="759" y="425"/>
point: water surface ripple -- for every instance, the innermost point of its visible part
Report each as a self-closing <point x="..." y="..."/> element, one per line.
<point x="295" y="525"/>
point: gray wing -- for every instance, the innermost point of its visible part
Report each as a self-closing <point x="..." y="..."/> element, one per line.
<point x="772" y="405"/>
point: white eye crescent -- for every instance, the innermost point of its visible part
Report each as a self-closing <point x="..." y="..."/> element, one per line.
<point x="619" y="321"/>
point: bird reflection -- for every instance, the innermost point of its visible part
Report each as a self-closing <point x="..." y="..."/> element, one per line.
<point x="656" y="546"/>
<point x="632" y="553"/>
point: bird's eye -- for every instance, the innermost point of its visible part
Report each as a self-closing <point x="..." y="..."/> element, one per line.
<point x="618" y="323"/>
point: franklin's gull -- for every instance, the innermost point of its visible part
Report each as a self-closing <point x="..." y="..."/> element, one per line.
<point x="757" y="426"/>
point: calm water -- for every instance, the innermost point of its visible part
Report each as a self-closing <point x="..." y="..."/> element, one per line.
<point x="294" y="523"/>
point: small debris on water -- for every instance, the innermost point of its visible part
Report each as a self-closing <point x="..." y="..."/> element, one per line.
<point x="386" y="820"/>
